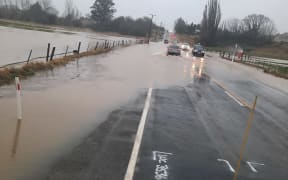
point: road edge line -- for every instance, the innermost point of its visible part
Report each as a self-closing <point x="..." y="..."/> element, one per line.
<point x="136" y="147"/>
<point x="232" y="97"/>
<point x="242" y="101"/>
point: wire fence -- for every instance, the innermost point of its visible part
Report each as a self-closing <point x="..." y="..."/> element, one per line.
<point x="277" y="67"/>
<point x="54" y="52"/>
<point x="254" y="59"/>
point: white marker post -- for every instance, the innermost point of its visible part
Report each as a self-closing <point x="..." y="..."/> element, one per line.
<point x="18" y="97"/>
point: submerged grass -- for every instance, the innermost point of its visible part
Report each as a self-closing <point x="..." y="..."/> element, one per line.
<point x="7" y="75"/>
<point x="26" y="26"/>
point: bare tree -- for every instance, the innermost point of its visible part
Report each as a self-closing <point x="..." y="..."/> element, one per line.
<point x="259" y="25"/>
<point x="71" y="13"/>
<point x="69" y="8"/>
<point x="25" y="4"/>
<point x="233" y="25"/>
<point x="45" y="4"/>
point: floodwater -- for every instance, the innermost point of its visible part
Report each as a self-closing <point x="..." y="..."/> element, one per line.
<point x="17" y="43"/>
<point x="62" y="106"/>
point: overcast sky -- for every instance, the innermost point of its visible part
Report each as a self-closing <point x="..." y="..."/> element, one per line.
<point x="168" y="11"/>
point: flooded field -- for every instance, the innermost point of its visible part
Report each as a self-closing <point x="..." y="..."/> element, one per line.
<point x="62" y="106"/>
<point x="17" y="43"/>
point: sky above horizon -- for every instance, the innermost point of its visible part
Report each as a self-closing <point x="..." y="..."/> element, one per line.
<point x="167" y="11"/>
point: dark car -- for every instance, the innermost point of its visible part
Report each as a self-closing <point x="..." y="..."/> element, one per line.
<point x="198" y="51"/>
<point x="174" y="50"/>
<point x="166" y="41"/>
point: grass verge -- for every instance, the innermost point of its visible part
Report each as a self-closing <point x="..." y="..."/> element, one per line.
<point x="7" y="75"/>
<point x="278" y="71"/>
<point x="276" y="50"/>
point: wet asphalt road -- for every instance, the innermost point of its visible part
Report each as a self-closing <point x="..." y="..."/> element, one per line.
<point x="193" y="130"/>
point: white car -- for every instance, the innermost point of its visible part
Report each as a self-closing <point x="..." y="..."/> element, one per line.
<point x="185" y="46"/>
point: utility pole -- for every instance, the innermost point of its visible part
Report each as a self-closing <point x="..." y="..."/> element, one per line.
<point x="150" y="27"/>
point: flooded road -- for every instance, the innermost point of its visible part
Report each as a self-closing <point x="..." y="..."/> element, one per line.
<point x="19" y="42"/>
<point x="62" y="106"/>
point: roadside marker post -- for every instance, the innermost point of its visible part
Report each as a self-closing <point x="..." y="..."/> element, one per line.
<point x="18" y="97"/>
<point x="245" y="138"/>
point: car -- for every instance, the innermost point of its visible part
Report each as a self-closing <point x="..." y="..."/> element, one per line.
<point x="185" y="46"/>
<point x="198" y="51"/>
<point x="173" y="50"/>
<point x="166" y="41"/>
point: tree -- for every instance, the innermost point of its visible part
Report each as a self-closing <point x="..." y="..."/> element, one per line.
<point x="260" y="25"/>
<point x="71" y="13"/>
<point x="254" y="29"/>
<point x="180" y="26"/>
<point x="102" y="11"/>
<point x="233" y="25"/>
<point x="25" y="4"/>
<point x="46" y="4"/>
<point x="210" y="22"/>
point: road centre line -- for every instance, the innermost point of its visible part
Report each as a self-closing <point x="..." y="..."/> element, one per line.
<point x="136" y="147"/>
<point x="236" y="100"/>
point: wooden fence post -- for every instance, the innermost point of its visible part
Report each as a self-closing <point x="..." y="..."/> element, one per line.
<point x="29" y="56"/>
<point x="66" y="51"/>
<point x="52" y="54"/>
<point x="88" y="47"/>
<point x="79" y="46"/>
<point x="96" y="45"/>
<point x="48" y="52"/>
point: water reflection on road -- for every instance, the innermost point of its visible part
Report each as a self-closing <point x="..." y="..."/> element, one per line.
<point x="62" y="106"/>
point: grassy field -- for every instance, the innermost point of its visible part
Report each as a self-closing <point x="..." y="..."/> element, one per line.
<point x="276" y="50"/>
<point x="25" y="25"/>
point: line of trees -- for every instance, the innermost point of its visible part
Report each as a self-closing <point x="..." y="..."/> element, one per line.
<point x="254" y="29"/>
<point x="41" y="11"/>
<point x="102" y="14"/>
<point x="181" y="27"/>
<point x="101" y="18"/>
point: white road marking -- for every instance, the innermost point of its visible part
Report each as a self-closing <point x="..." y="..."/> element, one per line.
<point x="162" y="168"/>
<point x="228" y="164"/>
<point x="235" y="99"/>
<point x="134" y="155"/>
<point x="159" y="152"/>
<point x="251" y="166"/>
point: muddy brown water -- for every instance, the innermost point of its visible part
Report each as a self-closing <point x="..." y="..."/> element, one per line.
<point x="17" y="43"/>
<point x="62" y="106"/>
